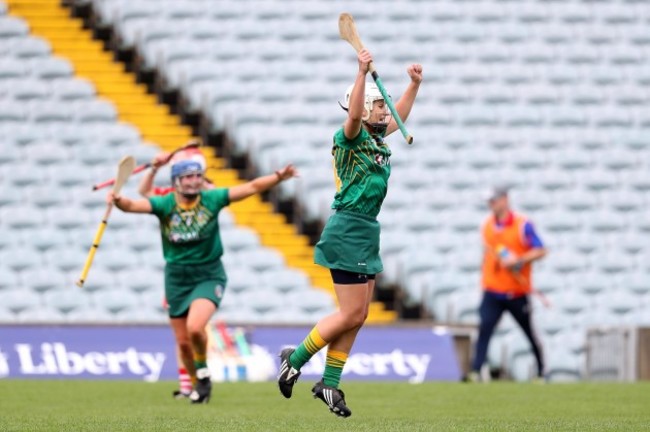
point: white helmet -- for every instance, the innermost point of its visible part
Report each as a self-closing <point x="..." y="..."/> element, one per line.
<point x="372" y="94"/>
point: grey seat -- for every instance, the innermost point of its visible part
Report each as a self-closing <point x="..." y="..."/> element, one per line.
<point x="116" y="301"/>
<point x="20" y="299"/>
<point x="239" y="238"/>
<point x="99" y="279"/>
<point x="558" y="221"/>
<point x="116" y="259"/>
<point x="9" y="279"/>
<point x="286" y="280"/>
<point x="555" y="180"/>
<point x="606" y="221"/>
<point x="50" y="112"/>
<point x="43" y="198"/>
<point x="611" y="262"/>
<point x="140" y="240"/>
<point x="444" y="284"/>
<point x="577" y="200"/>
<point x="74" y="89"/>
<point x="599" y="180"/>
<point x="51" y="68"/>
<point x="117" y="134"/>
<point x="11" y="239"/>
<point x="143" y="279"/>
<point x="468" y="261"/>
<point x="45" y="315"/>
<point x="89" y="314"/>
<point x="637" y="283"/>
<point x="66" y="300"/>
<point x="313" y="302"/>
<point x="421" y="220"/>
<point x="11" y="68"/>
<point x="13" y="27"/>
<point x="592" y="283"/>
<point x="29" y="89"/>
<point x="262" y="301"/>
<point x="12" y="112"/>
<point x="565" y="261"/>
<point x="46" y="153"/>
<point x="21" y="259"/>
<point x="549" y="283"/>
<point x="67" y="259"/>
<point x="70" y="217"/>
<point x="242" y="280"/>
<point x="44" y="238"/>
<point x="563" y="366"/>
<point x="46" y="278"/>
<point x="571" y="303"/>
<point x="30" y="47"/>
<point x="95" y="111"/>
<point x="261" y="259"/>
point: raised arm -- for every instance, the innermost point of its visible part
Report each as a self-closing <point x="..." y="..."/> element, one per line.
<point x="405" y="103"/>
<point x="129" y="205"/>
<point x="145" y="188"/>
<point x="352" y="124"/>
<point x="261" y="184"/>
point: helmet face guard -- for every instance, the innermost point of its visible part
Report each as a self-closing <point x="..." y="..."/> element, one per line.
<point x="372" y="94"/>
<point x="186" y="168"/>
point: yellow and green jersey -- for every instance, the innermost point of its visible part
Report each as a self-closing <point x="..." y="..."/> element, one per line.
<point x="361" y="169"/>
<point x="191" y="235"/>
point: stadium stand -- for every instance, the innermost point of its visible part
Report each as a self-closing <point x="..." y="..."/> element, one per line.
<point x="549" y="96"/>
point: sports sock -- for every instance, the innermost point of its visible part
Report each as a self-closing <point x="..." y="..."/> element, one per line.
<point x="334" y="367"/>
<point x="184" y="381"/>
<point x="200" y="361"/>
<point x="310" y="346"/>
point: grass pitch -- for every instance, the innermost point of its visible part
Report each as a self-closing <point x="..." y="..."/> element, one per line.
<point x="376" y="407"/>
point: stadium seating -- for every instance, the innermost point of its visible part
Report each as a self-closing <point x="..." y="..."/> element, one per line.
<point x="549" y="96"/>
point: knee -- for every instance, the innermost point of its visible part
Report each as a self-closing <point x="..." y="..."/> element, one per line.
<point x="195" y="331"/>
<point x="355" y="318"/>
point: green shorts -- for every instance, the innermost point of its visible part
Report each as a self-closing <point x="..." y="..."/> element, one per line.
<point x="350" y="242"/>
<point x="186" y="283"/>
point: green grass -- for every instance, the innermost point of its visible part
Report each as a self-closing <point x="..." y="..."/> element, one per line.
<point x="135" y="406"/>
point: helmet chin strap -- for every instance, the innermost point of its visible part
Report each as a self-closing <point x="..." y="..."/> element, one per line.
<point x="377" y="129"/>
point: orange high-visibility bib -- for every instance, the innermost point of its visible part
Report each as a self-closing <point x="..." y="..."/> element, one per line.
<point x="495" y="277"/>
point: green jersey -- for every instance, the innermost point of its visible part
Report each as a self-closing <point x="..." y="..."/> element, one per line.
<point x="191" y="235"/>
<point x="361" y="169"/>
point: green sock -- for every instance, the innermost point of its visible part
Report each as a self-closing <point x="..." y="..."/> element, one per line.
<point x="200" y="361"/>
<point x="310" y="346"/>
<point x="334" y="367"/>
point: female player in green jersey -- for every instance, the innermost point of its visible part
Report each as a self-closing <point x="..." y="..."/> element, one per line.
<point x="349" y="243"/>
<point x="195" y="279"/>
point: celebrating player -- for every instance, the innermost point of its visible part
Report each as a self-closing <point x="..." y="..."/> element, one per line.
<point x="195" y="279"/>
<point x="184" y="354"/>
<point x="349" y="243"/>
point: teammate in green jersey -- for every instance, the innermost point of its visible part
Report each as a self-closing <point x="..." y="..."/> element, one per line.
<point x="195" y="279"/>
<point x="349" y="243"/>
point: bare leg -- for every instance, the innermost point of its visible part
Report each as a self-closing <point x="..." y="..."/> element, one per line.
<point x="345" y="341"/>
<point x="183" y="345"/>
<point x="201" y="310"/>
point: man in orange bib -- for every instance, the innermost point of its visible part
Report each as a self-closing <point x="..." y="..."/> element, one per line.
<point x="511" y="245"/>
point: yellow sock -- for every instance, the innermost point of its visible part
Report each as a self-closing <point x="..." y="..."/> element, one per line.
<point x="310" y="346"/>
<point x="334" y="367"/>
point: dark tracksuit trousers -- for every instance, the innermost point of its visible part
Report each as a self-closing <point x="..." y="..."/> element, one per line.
<point x="492" y="307"/>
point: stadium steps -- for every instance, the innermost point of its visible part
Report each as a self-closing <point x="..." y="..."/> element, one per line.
<point x="50" y="20"/>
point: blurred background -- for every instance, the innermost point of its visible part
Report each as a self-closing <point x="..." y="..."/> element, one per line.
<point x="549" y="96"/>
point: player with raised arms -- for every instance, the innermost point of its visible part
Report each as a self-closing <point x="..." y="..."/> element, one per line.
<point x="195" y="279"/>
<point x="349" y="243"/>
